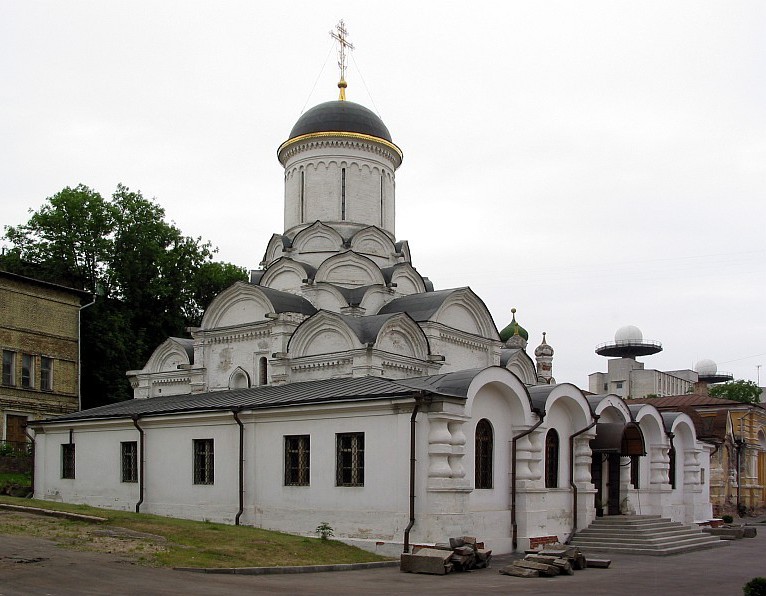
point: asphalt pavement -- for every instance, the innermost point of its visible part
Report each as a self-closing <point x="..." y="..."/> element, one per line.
<point x="30" y="566"/>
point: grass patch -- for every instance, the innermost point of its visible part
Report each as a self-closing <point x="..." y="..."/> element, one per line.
<point x="178" y="542"/>
<point x="19" y="478"/>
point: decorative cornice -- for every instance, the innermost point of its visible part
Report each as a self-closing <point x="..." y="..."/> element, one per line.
<point x="454" y="339"/>
<point x="323" y="364"/>
<point x="356" y="140"/>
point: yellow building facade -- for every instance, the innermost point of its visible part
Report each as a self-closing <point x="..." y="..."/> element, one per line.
<point x="39" y="341"/>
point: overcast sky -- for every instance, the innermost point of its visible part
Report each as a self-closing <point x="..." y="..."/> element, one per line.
<point x="593" y="164"/>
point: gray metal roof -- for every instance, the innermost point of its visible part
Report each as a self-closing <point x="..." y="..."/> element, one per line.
<point x="452" y="383"/>
<point x="254" y="398"/>
<point x="421" y="307"/>
<point x="187" y="345"/>
<point x="367" y="328"/>
<point x="287" y="302"/>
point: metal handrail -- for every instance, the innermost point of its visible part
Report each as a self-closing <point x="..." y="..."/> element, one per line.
<point x="630" y="342"/>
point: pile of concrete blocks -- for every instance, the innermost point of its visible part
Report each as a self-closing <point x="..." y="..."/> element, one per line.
<point x="554" y="559"/>
<point x="460" y="554"/>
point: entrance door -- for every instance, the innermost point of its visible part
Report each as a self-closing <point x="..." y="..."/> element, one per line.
<point x="596" y="476"/>
<point x="14" y="430"/>
<point x="613" y="484"/>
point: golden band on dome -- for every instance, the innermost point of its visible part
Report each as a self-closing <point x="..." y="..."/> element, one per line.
<point x="347" y="135"/>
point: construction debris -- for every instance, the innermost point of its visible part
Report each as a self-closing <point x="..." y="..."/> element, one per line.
<point x="461" y="554"/>
<point x="552" y="560"/>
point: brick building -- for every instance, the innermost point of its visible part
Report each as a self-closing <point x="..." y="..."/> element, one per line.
<point x="39" y="339"/>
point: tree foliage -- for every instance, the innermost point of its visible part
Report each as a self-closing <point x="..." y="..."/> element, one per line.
<point x="744" y="391"/>
<point x="150" y="280"/>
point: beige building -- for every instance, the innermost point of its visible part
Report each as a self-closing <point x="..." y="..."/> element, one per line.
<point x="39" y="339"/>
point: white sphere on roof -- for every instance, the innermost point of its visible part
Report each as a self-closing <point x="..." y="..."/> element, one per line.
<point x="706" y="367"/>
<point x="628" y="333"/>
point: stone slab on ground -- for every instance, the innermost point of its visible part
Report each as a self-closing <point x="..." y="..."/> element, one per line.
<point x="749" y="532"/>
<point x="519" y="571"/>
<point x="543" y="568"/>
<point x="427" y="560"/>
<point x="599" y="563"/>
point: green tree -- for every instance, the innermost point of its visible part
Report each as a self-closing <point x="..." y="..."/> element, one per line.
<point x="745" y="391"/>
<point x="151" y="280"/>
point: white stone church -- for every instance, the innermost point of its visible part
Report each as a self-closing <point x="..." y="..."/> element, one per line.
<point x="339" y="386"/>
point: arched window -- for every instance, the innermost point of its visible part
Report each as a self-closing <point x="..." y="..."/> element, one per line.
<point x="263" y="371"/>
<point x="552" y="459"/>
<point x="484" y="447"/>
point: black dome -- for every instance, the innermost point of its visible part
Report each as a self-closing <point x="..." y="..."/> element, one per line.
<point x="340" y="116"/>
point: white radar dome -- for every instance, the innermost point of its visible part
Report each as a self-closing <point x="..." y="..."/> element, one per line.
<point x="628" y="333"/>
<point x="706" y="367"/>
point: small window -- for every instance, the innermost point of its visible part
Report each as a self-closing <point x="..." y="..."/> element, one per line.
<point x="483" y="455"/>
<point x="618" y="384"/>
<point x="129" y="459"/>
<point x="350" y="459"/>
<point x="702" y="475"/>
<point x="552" y="459"/>
<point x="606" y="386"/>
<point x="46" y="373"/>
<point x="204" y="461"/>
<point x="263" y="371"/>
<point x="67" y="460"/>
<point x="9" y="364"/>
<point x="27" y="371"/>
<point x="297" y="460"/>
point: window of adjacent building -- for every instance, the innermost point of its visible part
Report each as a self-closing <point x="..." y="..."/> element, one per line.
<point x="9" y="364"/>
<point x="349" y="449"/>
<point x="67" y="460"/>
<point x="46" y="373"/>
<point x="483" y="455"/>
<point x="297" y="460"/>
<point x="552" y="459"/>
<point x="204" y="461"/>
<point x="129" y="461"/>
<point x="27" y="371"/>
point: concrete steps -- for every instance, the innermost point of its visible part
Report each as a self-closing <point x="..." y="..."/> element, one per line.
<point x="642" y="535"/>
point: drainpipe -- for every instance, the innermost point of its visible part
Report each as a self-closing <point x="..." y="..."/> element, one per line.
<point x="236" y="412"/>
<point x="79" y="351"/>
<point x="31" y="438"/>
<point x="140" y="463"/>
<point x="412" y="474"/>
<point x="571" y="472"/>
<point x="514" y="525"/>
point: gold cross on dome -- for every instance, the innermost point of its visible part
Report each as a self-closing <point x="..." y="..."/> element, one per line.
<point x="339" y="35"/>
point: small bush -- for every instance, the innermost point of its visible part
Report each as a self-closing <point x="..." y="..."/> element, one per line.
<point x="727" y="519"/>
<point x="325" y="531"/>
<point x="755" y="587"/>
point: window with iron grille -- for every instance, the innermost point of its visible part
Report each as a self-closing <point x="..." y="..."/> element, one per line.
<point x="9" y="363"/>
<point x="483" y="456"/>
<point x="350" y="459"/>
<point x="129" y="459"/>
<point x="552" y="459"/>
<point x="203" y="461"/>
<point x="67" y="460"/>
<point x="27" y="371"/>
<point x="297" y="460"/>
<point x="46" y="373"/>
